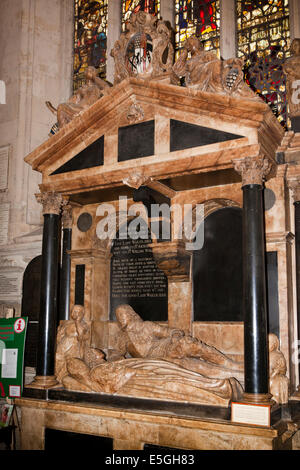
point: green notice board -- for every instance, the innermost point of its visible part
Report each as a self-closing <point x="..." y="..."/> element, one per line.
<point x="12" y="345"/>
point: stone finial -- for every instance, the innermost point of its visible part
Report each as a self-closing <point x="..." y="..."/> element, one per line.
<point x="292" y="71"/>
<point x="51" y="202"/>
<point x="67" y="216"/>
<point x="253" y="169"/>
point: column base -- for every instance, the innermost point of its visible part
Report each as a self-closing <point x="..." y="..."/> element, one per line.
<point x="258" y="399"/>
<point x="44" y="382"/>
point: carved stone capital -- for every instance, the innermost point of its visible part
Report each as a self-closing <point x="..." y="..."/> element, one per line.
<point x="294" y="185"/>
<point x="67" y="219"/>
<point x="253" y="169"/>
<point x="50" y="201"/>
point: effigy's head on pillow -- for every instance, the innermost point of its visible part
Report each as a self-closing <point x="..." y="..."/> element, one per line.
<point x="126" y="315"/>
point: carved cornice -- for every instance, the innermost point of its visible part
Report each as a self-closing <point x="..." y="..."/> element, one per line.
<point x="253" y="169"/>
<point x="51" y="202"/>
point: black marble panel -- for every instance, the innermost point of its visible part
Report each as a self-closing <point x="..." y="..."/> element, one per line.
<point x="79" y="284"/>
<point x="31" y="308"/>
<point x="31" y="344"/>
<point x="295" y="123"/>
<point x="141" y="404"/>
<point x="65" y="441"/>
<point x="272" y="292"/>
<point x="90" y="157"/>
<point x="136" y="141"/>
<point x="292" y="409"/>
<point x="31" y="289"/>
<point x="217" y="268"/>
<point x="184" y="135"/>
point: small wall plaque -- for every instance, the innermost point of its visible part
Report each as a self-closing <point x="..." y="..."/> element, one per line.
<point x="245" y="413"/>
<point x="4" y="155"/>
<point x="4" y="220"/>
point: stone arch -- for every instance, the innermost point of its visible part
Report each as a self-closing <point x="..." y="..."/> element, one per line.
<point x="209" y="206"/>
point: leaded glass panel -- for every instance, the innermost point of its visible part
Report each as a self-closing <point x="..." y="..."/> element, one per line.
<point x="133" y="6"/>
<point x="90" y="38"/>
<point x="263" y="39"/>
<point x="198" y="17"/>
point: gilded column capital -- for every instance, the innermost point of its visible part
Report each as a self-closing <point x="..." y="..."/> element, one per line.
<point x="253" y="169"/>
<point x="294" y="185"/>
<point x="67" y="215"/>
<point x="51" y="202"/>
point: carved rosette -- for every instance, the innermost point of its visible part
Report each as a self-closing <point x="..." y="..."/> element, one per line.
<point x="67" y="219"/>
<point x="254" y="170"/>
<point x="51" y="202"/>
<point x="135" y="113"/>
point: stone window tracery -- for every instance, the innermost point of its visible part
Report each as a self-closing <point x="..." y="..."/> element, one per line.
<point x="263" y="39"/>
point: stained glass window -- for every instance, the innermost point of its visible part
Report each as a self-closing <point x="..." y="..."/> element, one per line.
<point x="90" y="38"/>
<point x="263" y="39"/>
<point x="133" y="6"/>
<point x="199" y="17"/>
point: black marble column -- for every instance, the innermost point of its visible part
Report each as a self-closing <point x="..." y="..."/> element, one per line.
<point x="254" y="281"/>
<point x="49" y="290"/>
<point x="254" y="292"/>
<point x="65" y="273"/>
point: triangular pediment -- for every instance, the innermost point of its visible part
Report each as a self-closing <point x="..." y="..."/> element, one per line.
<point x="151" y="122"/>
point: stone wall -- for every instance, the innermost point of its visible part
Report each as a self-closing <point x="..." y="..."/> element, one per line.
<point x="36" y="65"/>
